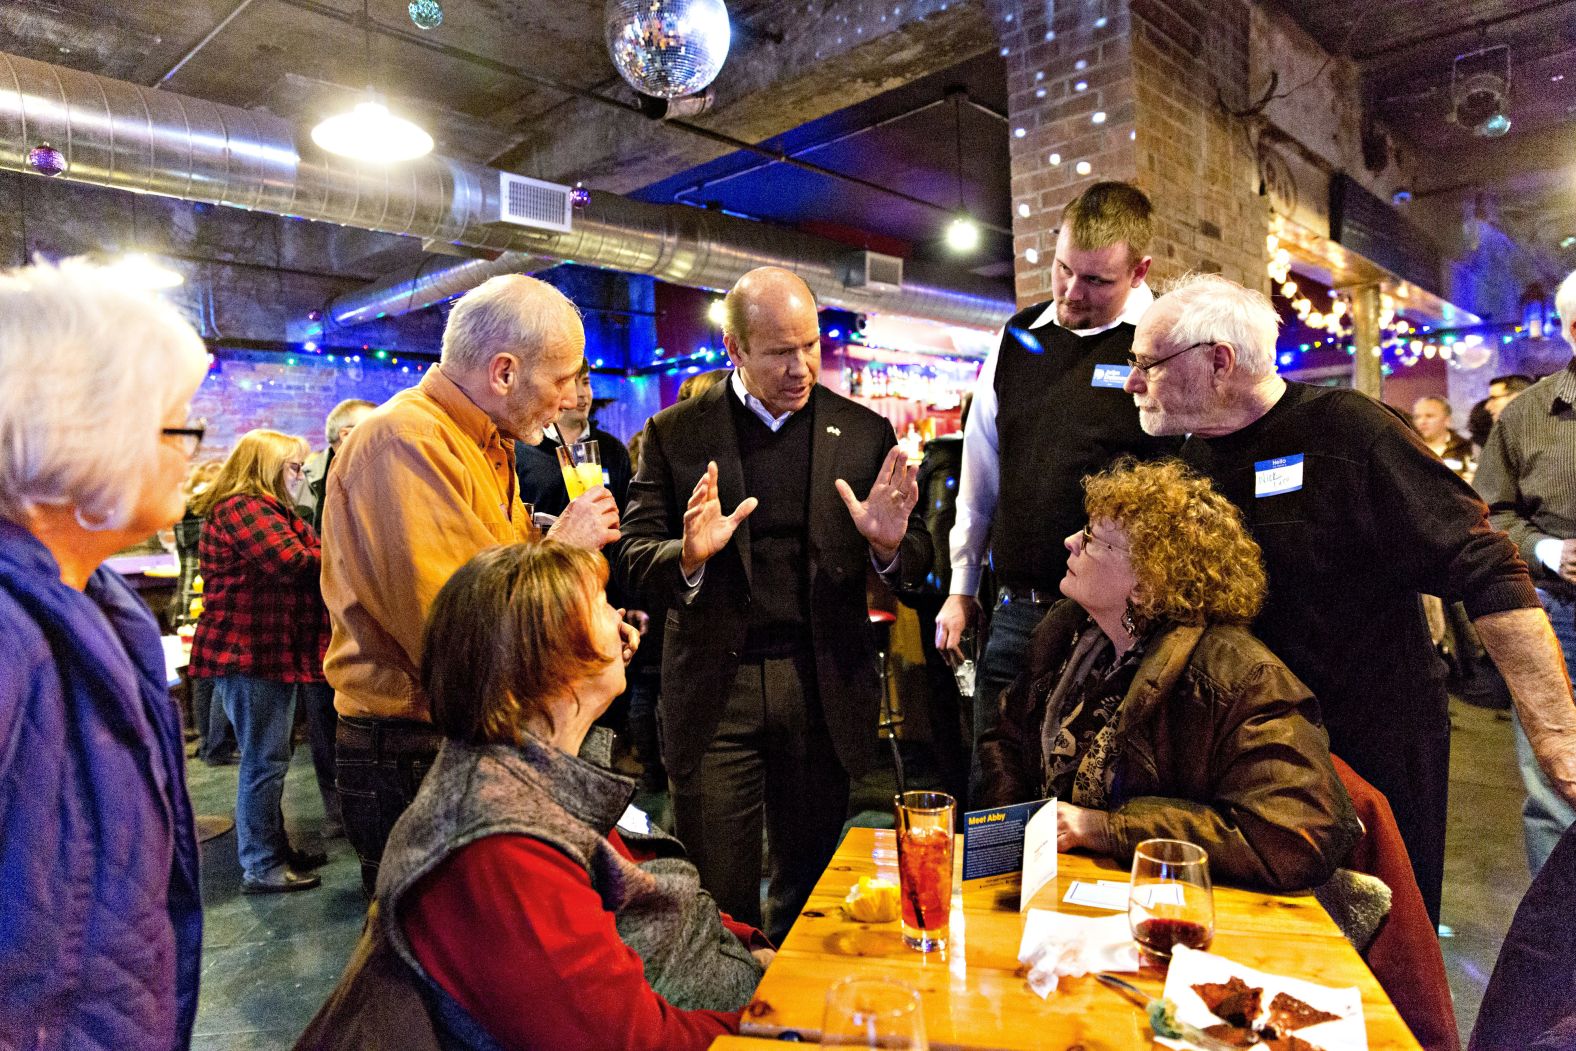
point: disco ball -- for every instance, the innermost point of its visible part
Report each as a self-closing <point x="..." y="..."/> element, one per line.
<point x="667" y="48"/>
<point x="426" y="14"/>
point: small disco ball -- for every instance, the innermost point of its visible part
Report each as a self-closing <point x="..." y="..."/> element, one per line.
<point x="46" y="160"/>
<point x="667" y="48"/>
<point x="579" y="197"/>
<point x="426" y="14"/>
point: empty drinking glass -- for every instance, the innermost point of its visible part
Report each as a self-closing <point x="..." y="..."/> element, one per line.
<point x="874" y="1012"/>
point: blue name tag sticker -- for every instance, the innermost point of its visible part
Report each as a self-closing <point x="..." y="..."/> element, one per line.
<point x="1283" y="474"/>
<point x="1110" y="376"/>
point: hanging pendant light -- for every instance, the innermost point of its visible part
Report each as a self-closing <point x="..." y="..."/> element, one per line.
<point x="372" y="134"/>
<point x="369" y="132"/>
<point x="963" y="233"/>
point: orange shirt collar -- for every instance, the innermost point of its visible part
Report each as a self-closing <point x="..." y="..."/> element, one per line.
<point x="467" y="415"/>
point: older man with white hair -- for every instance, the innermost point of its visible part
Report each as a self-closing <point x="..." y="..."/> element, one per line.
<point x="1356" y="518"/>
<point x="1528" y="476"/>
<point x="421" y="485"/>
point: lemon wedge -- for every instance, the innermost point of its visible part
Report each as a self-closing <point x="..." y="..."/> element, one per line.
<point x="872" y="900"/>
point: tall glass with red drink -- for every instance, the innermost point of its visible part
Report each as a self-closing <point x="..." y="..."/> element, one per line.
<point x="924" y="866"/>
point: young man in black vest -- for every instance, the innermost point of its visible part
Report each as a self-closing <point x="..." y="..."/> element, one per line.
<point x="1048" y="410"/>
<point x="769" y="688"/>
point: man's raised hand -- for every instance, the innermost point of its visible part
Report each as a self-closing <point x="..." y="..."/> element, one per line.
<point x="882" y="516"/>
<point x="706" y="529"/>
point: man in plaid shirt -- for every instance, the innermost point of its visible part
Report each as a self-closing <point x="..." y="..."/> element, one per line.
<point x="419" y="487"/>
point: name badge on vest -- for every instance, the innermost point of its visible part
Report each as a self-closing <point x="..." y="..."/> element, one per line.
<point x="1280" y="475"/>
<point x="1110" y="376"/>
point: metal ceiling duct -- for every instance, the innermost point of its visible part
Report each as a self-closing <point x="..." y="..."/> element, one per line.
<point x="129" y="137"/>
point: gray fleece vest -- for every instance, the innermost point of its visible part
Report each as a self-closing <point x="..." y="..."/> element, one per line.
<point x="572" y="803"/>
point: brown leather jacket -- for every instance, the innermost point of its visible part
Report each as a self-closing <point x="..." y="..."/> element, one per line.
<point x="1219" y="744"/>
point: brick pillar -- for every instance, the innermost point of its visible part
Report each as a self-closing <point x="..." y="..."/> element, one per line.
<point x="1070" y="110"/>
<point x="1135" y="90"/>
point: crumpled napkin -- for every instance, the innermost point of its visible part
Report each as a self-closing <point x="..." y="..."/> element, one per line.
<point x="1057" y="945"/>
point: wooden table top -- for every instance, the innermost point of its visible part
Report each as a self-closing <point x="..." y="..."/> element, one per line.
<point x="974" y="991"/>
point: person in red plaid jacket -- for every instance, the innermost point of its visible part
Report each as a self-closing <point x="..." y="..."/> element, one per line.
<point x="261" y="638"/>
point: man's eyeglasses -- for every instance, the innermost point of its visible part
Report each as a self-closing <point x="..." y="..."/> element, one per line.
<point x="191" y="435"/>
<point x="1145" y="366"/>
<point x="1090" y="538"/>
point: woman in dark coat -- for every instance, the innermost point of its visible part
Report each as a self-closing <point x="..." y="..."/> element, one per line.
<point x="1149" y="710"/>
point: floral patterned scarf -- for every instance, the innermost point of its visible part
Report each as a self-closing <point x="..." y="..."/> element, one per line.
<point x="1082" y="699"/>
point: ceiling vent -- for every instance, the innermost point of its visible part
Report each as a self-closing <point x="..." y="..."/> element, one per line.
<point x="875" y="271"/>
<point x="534" y="203"/>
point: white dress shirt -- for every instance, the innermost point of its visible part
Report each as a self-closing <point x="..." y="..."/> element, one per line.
<point x="980" y="486"/>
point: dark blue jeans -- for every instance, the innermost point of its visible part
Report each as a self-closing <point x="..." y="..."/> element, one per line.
<point x="1001" y="663"/>
<point x="263" y="714"/>
<point x="216" y="740"/>
<point x="1545" y="815"/>
<point x="380" y="765"/>
<point x="317" y="700"/>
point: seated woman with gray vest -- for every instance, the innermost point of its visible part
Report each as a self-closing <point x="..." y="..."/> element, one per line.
<point x="1149" y="710"/>
<point x="536" y="908"/>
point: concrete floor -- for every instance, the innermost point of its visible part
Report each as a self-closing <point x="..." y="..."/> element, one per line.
<point x="269" y="961"/>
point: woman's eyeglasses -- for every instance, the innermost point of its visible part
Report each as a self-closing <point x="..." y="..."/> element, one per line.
<point x="1090" y="538"/>
<point x="190" y="435"/>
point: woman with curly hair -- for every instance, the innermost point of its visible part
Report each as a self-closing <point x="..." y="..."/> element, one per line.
<point x="1149" y="710"/>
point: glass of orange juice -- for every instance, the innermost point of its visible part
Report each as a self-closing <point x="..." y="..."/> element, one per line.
<point x="581" y="465"/>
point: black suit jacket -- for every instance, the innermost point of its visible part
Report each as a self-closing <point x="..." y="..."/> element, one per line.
<point x="705" y="629"/>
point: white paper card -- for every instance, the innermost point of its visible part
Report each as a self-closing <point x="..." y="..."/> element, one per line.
<point x="1152" y="894"/>
<point x="635" y="820"/>
<point x="1190" y="967"/>
<point x="1039" y="853"/>
<point x="1103" y="895"/>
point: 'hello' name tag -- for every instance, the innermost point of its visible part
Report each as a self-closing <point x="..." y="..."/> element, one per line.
<point x="1280" y="475"/>
<point x="1110" y="376"/>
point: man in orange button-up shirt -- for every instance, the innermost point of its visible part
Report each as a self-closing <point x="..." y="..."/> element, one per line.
<point x="424" y="483"/>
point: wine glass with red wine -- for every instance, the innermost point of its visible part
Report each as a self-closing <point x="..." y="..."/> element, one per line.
<point x="1171" y="902"/>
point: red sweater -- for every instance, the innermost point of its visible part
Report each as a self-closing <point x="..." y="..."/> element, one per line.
<point x="513" y="930"/>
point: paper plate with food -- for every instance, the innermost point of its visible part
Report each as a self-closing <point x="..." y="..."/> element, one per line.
<point x="1241" y="1007"/>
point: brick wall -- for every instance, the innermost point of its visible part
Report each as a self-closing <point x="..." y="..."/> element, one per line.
<point x="1152" y="70"/>
<point x="245" y="390"/>
<point x="1050" y="53"/>
<point x="1195" y="160"/>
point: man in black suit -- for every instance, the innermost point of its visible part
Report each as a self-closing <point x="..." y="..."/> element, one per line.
<point x="769" y="685"/>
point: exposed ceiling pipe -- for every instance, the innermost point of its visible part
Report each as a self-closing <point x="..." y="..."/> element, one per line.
<point x="433" y="280"/>
<point x="129" y="137"/>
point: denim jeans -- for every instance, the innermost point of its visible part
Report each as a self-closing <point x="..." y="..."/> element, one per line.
<point x="216" y="741"/>
<point x="317" y="700"/>
<point x="262" y="713"/>
<point x="1545" y="815"/>
<point x="380" y="765"/>
<point x="1003" y="660"/>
